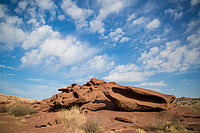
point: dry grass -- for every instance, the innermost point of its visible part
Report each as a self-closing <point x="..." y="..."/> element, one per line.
<point x="20" y="110"/>
<point x="17" y="109"/>
<point x="93" y="125"/>
<point x="168" y="126"/>
<point x="191" y="104"/>
<point x="140" y="130"/>
<point x="3" y="109"/>
<point x="76" y="122"/>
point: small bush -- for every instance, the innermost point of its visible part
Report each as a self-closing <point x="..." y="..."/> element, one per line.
<point x="140" y="131"/>
<point x="76" y="122"/>
<point x="168" y="127"/>
<point x="20" y="110"/>
<point x="3" y="109"/>
<point x="73" y="120"/>
<point x="93" y="126"/>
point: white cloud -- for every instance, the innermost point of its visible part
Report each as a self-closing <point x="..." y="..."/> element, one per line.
<point x="8" y="30"/>
<point x="174" y="13"/>
<point x="2" y="10"/>
<point x="194" y="2"/>
<point x="153" y="24"/>
<point x="127" y="73"/>
<point x="38" y="36"/>
<point x="173" y="57"/>
<point x="61" y="17"/>
<point x="22" y="5"/>
<point x="140" y="20"/>
<point x="155" y="40"/>
<point x="132" y="16"/>
<point x="161" y="83"/>
<point x="124" y="39"/>
<point x="58" y="52"/>
<point x="108" y="7"/>
<point x="116" y="35"/>
<point x="7" y="67"/>
<point x="45" y="4"/>
<point x="98" y="64"/>
<point x="194" y="39"/>
<point x="36" y="80"/>
<point x="78" y="14"/>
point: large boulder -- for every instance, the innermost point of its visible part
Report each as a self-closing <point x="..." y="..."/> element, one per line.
<point x="133" y="98"/>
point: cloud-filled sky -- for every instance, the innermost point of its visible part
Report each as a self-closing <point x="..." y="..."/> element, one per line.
<point x="50" y="44"/>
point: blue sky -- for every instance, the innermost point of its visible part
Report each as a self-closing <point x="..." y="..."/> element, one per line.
<point x="50" y="44"/>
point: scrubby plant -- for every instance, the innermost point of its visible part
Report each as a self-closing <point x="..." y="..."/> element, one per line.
<point x="76" y="122"/>
<point x="168" y="126"/>
<point x="73" y="120"/>
<point x="3" y="109"/>
<point x="93" y="125"/>
<point x="139" y="130"/>
<point x="191" y="104"/>
<point x="20" y="110"/>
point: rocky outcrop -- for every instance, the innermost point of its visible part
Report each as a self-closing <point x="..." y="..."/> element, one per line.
<point x="98" y="94"/>
<point x="133" y="98"/>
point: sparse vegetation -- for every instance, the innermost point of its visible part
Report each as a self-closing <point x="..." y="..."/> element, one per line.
<point x="140" y="130"/>
<point x="17" y="109"/>
<point x="20" y="110"/>
<point x="93" y="125"/>
<point x="191" y="104"/>
<point x="3" y="109"/>
<point x="169" y="127"/>
<point x="76" y="122"/>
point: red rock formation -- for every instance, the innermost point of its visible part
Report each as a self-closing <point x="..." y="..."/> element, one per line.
<point x="133" y="98"/>
<point x="97" y="94"/>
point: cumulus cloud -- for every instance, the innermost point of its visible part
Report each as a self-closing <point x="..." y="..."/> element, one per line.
<point x="108" y="7"/>
<point x="173" y="57"/>
<point x="124" y="39"/>
<point x="7" y="67"/>
<point x="61" y="17"/>
<point x="78" y="14"/>
<point x="153" y="24"/>
<point x="174" y="13"/>
<point x="118" y="36"/>
<point x="194" y="2"/>
<point x="8" y="29"/>
<point x="161" y="83"/>
<point x="38" y="36"/>
<point x="45" y="4"/>
<point x="98" y="64"/>
<point x="155" y="40"/>
<point x="132" y="16"/>
<point x="58" y="52"/>
<point x="194" y="38"/>
<point x="140" y="20"/>
<point x="127" y="73"/>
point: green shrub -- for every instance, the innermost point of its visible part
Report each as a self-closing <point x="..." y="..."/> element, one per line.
<point x="20" y="110"/>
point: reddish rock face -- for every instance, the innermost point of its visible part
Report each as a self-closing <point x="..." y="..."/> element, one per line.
<point x="133" y="98"/>
<point x="97" y="94"/>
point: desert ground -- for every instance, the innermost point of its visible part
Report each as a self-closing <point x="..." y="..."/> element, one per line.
<point x="98" y="107"/>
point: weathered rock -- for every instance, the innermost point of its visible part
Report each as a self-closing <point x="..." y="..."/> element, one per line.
<point x="93" y="106"/>
<point x="133" y="98"/>
<point x="123" y="119"/>
<point x="97" y="94"/>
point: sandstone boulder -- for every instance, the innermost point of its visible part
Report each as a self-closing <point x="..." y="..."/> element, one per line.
<point x="133" y="98"/>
